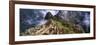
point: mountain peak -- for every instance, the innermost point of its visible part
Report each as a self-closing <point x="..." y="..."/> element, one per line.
<point x="48" y="16"/>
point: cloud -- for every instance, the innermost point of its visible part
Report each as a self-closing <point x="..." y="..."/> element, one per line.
<point x="86" y="20"/>
<point x="53" y="12"/>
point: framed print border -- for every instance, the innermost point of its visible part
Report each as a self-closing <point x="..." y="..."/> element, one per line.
<point x="12" y="22"/>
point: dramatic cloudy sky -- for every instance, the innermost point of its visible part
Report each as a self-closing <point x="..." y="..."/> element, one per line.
<point x="53" y="12"/>
<point x="30" y="17"/>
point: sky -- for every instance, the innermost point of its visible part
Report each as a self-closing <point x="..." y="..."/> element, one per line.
<point x="53" y="12"/>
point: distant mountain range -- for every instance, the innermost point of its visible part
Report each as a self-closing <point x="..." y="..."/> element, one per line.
<point x="69" y="20"/>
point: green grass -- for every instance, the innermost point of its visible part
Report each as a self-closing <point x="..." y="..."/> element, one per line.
<point x="68" y="27"/>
